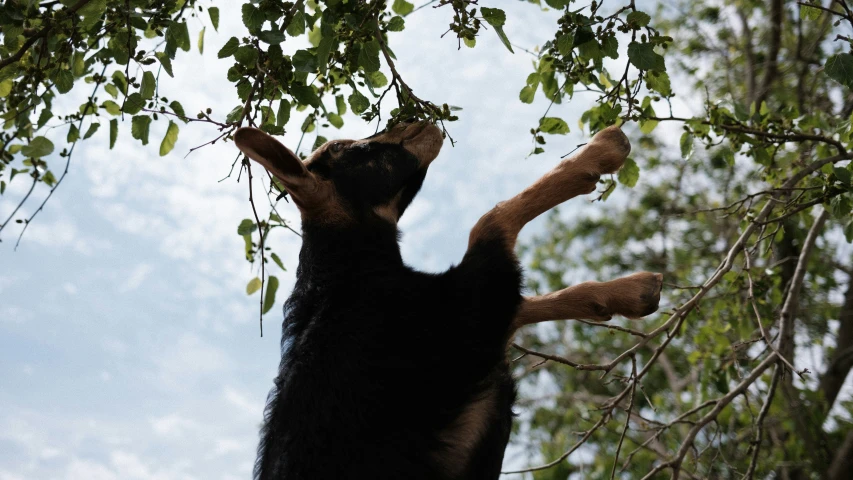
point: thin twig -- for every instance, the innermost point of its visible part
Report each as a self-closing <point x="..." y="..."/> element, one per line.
<point x="765" y="409"/>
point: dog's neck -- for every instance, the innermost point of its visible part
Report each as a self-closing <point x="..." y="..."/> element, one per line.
<point x="330" y="251"/>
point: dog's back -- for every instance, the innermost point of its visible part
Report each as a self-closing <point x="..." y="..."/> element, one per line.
<point x="381" y="365"/>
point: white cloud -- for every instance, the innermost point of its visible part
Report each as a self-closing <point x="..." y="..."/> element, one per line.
<point x="189" y="360"/>
<point x="14" y="314"/>
<point x="88" y="470"/>
<point x="173" y="424"/>
<point x="244" y="404"/>
<point x="136" y="277"/>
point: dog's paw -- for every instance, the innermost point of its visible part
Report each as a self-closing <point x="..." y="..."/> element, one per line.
<point x="636" y="295"/>
<point x="607" y="151"/>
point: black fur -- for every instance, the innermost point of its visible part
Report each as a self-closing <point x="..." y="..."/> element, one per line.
<point x="378" y="358"/>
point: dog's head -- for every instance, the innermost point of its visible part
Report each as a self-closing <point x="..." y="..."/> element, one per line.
<point x="350" y="180"/>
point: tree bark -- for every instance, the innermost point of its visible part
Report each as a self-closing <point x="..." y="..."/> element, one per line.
<point x="841" y="360"/>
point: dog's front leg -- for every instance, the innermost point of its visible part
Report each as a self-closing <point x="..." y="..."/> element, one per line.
<point x="634" y="296"/>
<point x="604" y="154"/>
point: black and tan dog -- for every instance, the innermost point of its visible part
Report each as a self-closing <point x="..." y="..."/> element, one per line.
<point x="390" y="373"/>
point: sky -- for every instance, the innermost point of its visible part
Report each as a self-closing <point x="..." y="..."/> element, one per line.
<point x="128" y="348"/>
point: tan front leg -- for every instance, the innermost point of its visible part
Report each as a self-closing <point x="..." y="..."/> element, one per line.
<point x="604" y="154"/>
<point x="633" y="296"/>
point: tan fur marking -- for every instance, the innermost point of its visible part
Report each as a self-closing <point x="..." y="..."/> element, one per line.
<point x="329" y="210"/>
<point x="578" y="175"/>
<point x="633" y="296"/>
<point x="463" y="435"/>
<point x="390" y="211"/>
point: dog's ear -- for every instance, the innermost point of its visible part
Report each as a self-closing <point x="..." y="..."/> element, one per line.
<point x="281" y="162"/>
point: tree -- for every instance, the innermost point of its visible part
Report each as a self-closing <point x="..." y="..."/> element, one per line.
<point x="747" y="230"/>
<point x="750" y="232"/>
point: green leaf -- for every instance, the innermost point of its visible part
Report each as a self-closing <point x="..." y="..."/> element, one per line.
<point x="469" y="42"/>
<point x="92" y="12"/>
<point x="610" y="47"/>
<point x="686" y="145"/>
<point x="396" y="24"/>
<point x="48" y="178"/>
<point x="179" y="110"/>
<point x="502" y="36"/>
<point x="376" y="79"/>
<point x="78" y="64"/>
<point x="304" y="61"/>
<point x="201" y="40"/>
<point x="38" y="147"/>
<point x="368" y="56"/>
<point x="341" y="104"/>
<point x="113" y="132"/>
<point x="643" y="56"/>
<point x="843" y="175"/>
<point x="111" y="107"/>
<point x="553" y="125"/>
<point x="319" y="141"/>
<point x="247" y="241"/>
<point x="527" y="93"/>
<point x="246" y="55"/>
<point x="164" y="59"/>
<point x="659" y="82"/>
<point x="111" y="89"/>
<point x="565" y="43"/>
<point x="558" y="3"/>
<point x="638" y="19"/>
<point x="44" y="117"/>
<point x="214" y="17"/>
<point x="297" y="25"/>
<point x="402" y="7"/>
<point x="306" y="95"/>
<point x="139" y="128"/>
<point x="848" y="231"/>
<point x="235" y="114"/>
<point x="494" y="16"/>
<point x="64" y="81"/>
<point x="841" y="206"/>
<point x="273" y="37"/>
<point x="283" y="115"/>
<point x="809" y="13"/>
<point x="840" y="68"/>
<point x="148" y="85"/>
<point x="246" y="227"/>
<point x="358" y="102"/>
<point x="229" y="48"/>
<point x="179" y="35"/>
<point x="73" y="134"/>
<point x="91" y="131"/>
<point x="133" y="104"/>
<point x="269" y="298"/>
<point x="629" y="173"/>
<point x="648" y="126"/>
<point x="253" y="18"/>
<point x="253" y="286"/>
<point x="170" y="139"/>
<point x="277" y="261"/>
<point x="6" y="88"/>
<point x="335" y="120"/>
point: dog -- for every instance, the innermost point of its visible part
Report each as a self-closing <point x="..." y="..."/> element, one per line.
<point x="391" y="373"/>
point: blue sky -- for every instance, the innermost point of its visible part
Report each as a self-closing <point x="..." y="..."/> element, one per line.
<point x="128" y="348"/>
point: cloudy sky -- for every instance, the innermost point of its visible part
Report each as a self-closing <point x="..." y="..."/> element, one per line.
<point x="127" y="346"/>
